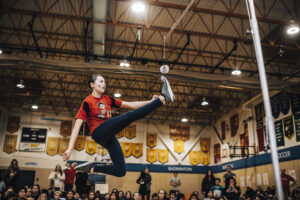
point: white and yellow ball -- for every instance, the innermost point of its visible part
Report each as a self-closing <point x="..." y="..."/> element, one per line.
<point x="164" y="69"/>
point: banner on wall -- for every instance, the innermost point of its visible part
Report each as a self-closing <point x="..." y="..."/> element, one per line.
<point x="63" y="145"/>
<point x="217" y="153"/>
<point x="259" y="115"/>
<point x="260" y="138"/>
<point x="205" y="144"/>
<point x="130" y="131"/>
<point x="66" y="128"/>
<point x="91" y="147"/>
<point x="120" y="134"/>
<point x="137" y="149"/>
<point x="204" y="158"/>
<point x="151" y="139"/>
<point x="84" y="129"/>
<point x="295" y="100"/>
<point x="279" y="133"/>
<point x="151" y="155"/>
<point x="288" y="127"/>
<point x="179" y="131"/>
<point x="179" y="146"/>
<point x="163" y="156"/>
<point x="184" y="132"/>
<point x="174" y="130"/>
<point x="80" y="143"/>
<point x="245" y="140"/>
<point x="195" y="157"/>
<point x="275" y="104"/>
<point x="127" y="149"/>
<point x="10" y="143"/>
<point x="234" y="124"/>
<point x="52" y="146"/>
<point x="13" y="124"/>
<point x="223" y="130"/>
<point x="101" y="150"/>
<point x="297" y="126"/>
<point x="285" y="102"/>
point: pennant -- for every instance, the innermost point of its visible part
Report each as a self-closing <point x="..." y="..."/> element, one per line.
<point x="174" y="130"/>
<point x="163" y="156"/>
<point x="151" y="155"/>
<point x="91" y="147"/>
<point x="260" y="138"/>
<point x="179" y="146"/>
<point x="137" y="149"/>
<point x="217" y="153"/>
<point x="259" y="115"/>
<point x="184" y="132"/>
<point x="275" y="104"/>
<point x="80" y="143"/>
<point x="84" y="129"/>
<point x="66" y="128"/>
<point x="245" y="140"/>
<point x="130" y="131"/>
<point x="205" y="144"/>
<point x="223" y="130"/>
<point x="120" y="134"/>
<point x="279" y="133"/>
<point x="13" y="124"/>
<point x="52" y="146"/>
<point x="63" y="145"/>
<point x="285" y="102"/>
<point x="101" y="150"/>
<point x="151" y="139"/>
<point x="288" y="127"/>
<point x="297" y="126"/>
<point x="295" y="101"/>
<point x="234" y="124"/>
<point x="204" y="158"/>
<point x="194" y="157"/>
<point x="10" y="143"/>
<point x="127" y="149"/>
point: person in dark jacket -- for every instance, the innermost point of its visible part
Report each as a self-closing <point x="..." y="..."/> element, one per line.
<point x="207" y="182"/>
<point x="233" y="191"/>
<point x="13" y="174"/>
<point x="145" y="184"/>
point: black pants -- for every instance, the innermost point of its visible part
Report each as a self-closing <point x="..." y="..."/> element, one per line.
<point x="105" y="133"/>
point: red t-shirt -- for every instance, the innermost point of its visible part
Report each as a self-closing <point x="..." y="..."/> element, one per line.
<point x="96" y="110"/>
<point x="70" y="175"/>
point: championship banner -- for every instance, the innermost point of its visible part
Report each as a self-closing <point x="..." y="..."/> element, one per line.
<point x="91" y="147"/>
<point x="275" y="104"/>
<point x="13" y="124"/>
<point x="245" y="140"/>
<point x="279" y="133"/>
<point x="10" y="143"/>
<point x="66" y="128"/>
<point x="163" y="155"/>
<point x="174" y="130"/>
<point x="204" y="158"/>
<point x="288" y="127"/>
<point x="259" y="115"/>
<point x="151" y="139"/>
<point x="297" y="126"/>
<point x="205" y="144"/>
<point x="217" y="153"/>
<point x="260" y="138"/>
<point x="137" y="149"/>
<point x="80" y="143"/>
<point x="101" y="150"/>
<point x="120" y="134"/>
<point x="130" y="131"/>
<point x="179" y="146"/>
<point x="285" y="102"/>
<point x="234" y="124"/>
<point x="52" y="146"/>
<point x="223" y="130"/>
<point x="151" y="155"/>
<point x="194" y="157"/>
<point x="127" y="149"/>
<point x="84" y="129"/>
<point x="63" y="145"/>
<point x="184" y="132"/>
<point x="295" y="101"/>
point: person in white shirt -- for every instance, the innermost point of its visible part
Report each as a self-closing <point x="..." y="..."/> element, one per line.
<point x="175" y="183"/>
<point x="57" y="178"/>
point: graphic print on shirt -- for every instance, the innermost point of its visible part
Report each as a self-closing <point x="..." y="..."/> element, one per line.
<point x="103" y="113"/>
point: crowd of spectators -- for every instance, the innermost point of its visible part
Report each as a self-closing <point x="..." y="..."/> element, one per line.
<point x="62" y="183"/>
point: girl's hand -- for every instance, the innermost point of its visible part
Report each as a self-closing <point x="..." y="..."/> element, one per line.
<point x="67" y="155"/>
<point x="154" y="97"/>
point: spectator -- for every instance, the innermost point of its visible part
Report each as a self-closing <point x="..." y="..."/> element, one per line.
<point x="43" y="196"/>
<point x="91" y="196"/>
<point x="77" y="196"/>
<point x="70" y="174"/>
<point x="128" y="195"/>
<point x="180" y="196"/>
<point x="229" y="175"/>
<point x="175" y="182"/>
<point x="162" y="195"/>
<point x="21" y="194"/>
<point x="172" y="195"/>
<point x="56" y="195"/>
<point x="57" y="177"/>
<point x="2" y="185"/>
<point x="106" y="196"/>
<point x="296" y="193"/>
<point x="28" y="193"/>
<point x="115" y="190"/>
<point x="217" y="189"/>
<point x="193" y="197"/>
<point x="154" y="196"/>
<point x="207" y="182"/>
<point x="233" y="192"/>
<point x="70" y="195"/>
<point x="285" y="181"/>
<point x="209" y="196"/>
<point x="249" y="193"/>
<point x="12" y="174"/>
<point x="81" y="182"/>
<point x="36" y="191"/>
<point x="136" y="196"/>
<point x="145" y="182"/>
<point x="121" y="195"/>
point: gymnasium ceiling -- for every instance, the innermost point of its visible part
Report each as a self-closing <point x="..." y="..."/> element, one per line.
<point x="50" y="44"/>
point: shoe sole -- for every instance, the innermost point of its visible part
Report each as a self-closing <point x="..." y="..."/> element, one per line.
<point x="84" y="165"/>
<point x="169" y="88"/>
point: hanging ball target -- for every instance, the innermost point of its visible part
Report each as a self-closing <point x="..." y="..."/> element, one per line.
<point x="164" y="69"/>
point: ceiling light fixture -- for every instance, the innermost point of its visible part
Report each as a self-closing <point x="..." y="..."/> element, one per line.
<point x="293" y="28"/>
<point x="21" y="84"/>
<point x="35" y="107"/>
<point x="184" y="119"/>
<point x="124" y="63"/>
<point x="204" y="102"/>
<point x="236" y="72"/>
<point x="138" y="7"/>
<point x="1" y="51"/>
<point x="117" y="95"/>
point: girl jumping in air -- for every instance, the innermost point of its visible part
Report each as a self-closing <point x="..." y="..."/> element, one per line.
<point x="96" y="111"/>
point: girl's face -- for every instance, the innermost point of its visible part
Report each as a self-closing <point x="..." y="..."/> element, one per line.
<point x="56" y="196"/>
<point x="209" y="172"/>
<point x="58" y="168"/>
<point x="193" y="198"/>
<point x="136" y="196"/>
<point x="127" y="195"/>
<point x="99" y="85"/>
<point x="113" y="196"/>
<point x="106" y="196"/>
<point x="121" y="194"/>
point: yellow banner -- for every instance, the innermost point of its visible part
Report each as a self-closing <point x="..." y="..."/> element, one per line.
<point x="204" y="158"/>
<point x="120" y="134"/>
<point x="205" y="144"/>
<point x="179" y="146"/>
<point x="52" y="146"/>
<point x="151" y="139"/>
<point x="80" y="143"/>
<point x="151" y="155"/>
<point x="63" y="145"/>
<point x="101" y="150"/>
<point x="194" y="157"/>
<point x="10" y="143"/>
<point x="137" y="149"/>
<point x="184" y="132"/>
<point x="163" y="156"/>
<point x="66" y="128"/>
<point x="91" y="147"/>
<point x="174" y="131"/>
<point x="130" y="131"/>
<point x="126" y="148"/>
<point x="13" y="124"/>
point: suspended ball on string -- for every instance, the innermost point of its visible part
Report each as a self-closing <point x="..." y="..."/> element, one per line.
<point x="164" y="69"/>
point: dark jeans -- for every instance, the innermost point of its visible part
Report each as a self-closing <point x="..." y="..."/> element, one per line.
<point x="105" y="133"/>
<point x="68" y="187"/>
